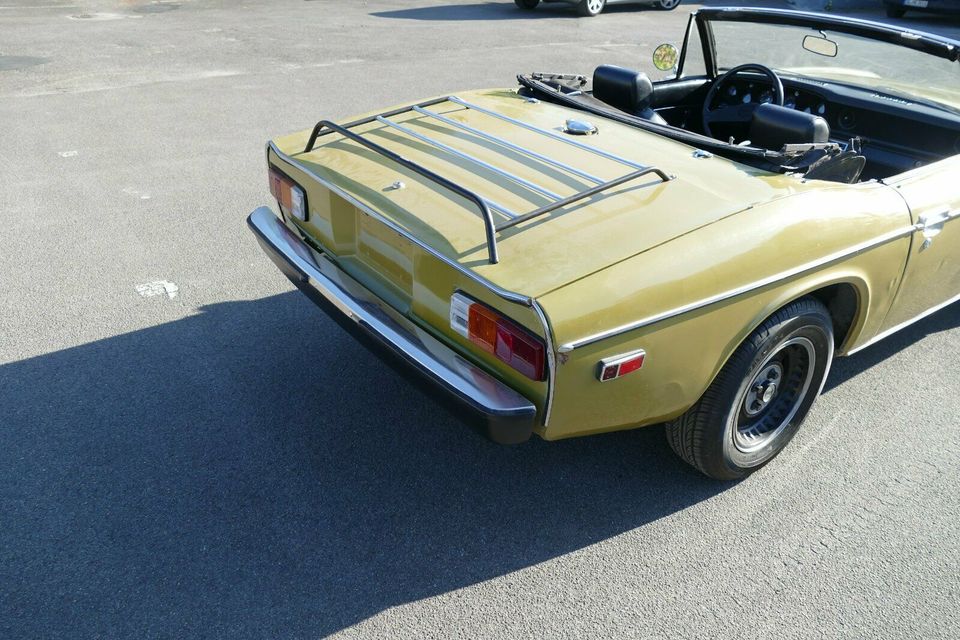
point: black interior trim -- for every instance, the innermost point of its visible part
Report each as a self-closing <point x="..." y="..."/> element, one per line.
<point x="760" y="158"/>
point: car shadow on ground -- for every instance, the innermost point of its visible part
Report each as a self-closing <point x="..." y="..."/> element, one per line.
<point x="252" y="471"/>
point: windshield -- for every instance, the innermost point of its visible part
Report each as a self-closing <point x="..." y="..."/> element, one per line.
<point x="879" y="66"/>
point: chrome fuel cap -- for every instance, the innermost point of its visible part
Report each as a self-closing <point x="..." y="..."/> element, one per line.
<point x="579" y="128"/>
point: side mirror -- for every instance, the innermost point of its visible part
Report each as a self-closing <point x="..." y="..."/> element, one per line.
<point x="665" y="57"/>
<point x="820" y="45"/>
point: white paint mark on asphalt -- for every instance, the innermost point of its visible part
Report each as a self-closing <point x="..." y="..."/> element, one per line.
<point x="350" y="60"/>
<point x="189" y="77"/>
<point x="158" y="288"/>
<point x="68" y="154"/>
<point x="49" y="6"/>
<point x="101" y="16"/>
<point x="139" y="194"/>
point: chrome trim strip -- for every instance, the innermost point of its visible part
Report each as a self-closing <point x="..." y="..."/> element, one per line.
<point x="552" y="134"/>
<point x="466" y="156"/>
<point x="734" y="293"/>
<point x="509" y="145"/>
<point x="499" y="291"/>
<point x="937" y="219"/>
<point x="903" y="325"/>
<point x="321" y="276"/>
<point x="551" y="362"/>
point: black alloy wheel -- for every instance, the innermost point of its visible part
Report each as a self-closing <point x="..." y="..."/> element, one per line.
<point x="757" y="402"/>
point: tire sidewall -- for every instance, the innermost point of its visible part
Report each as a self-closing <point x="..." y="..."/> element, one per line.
<point x="817" y="328"/>
<point x="585" y="10"/>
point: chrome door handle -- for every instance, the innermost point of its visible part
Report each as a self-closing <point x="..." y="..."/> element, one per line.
<point x="931" y="224"/>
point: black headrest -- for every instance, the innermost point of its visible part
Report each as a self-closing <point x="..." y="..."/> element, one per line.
<point x="773" y="126"/>
<point x="625" y="89"/>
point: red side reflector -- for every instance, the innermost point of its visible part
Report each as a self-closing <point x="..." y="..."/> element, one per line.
<point x="631" y="365"/>
<point x="609" y="372"/>
<point x="617" y="366"/>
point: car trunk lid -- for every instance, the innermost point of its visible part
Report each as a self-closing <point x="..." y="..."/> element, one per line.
<point x="375" y="211"/>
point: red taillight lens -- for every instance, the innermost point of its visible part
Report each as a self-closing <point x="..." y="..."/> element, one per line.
<point x="289" y="195"/>
<point x="498" y="335"/>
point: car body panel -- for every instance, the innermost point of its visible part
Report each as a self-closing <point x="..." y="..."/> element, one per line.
<point x="427" y="300"/>
<point x="933" y="269"/>
<point x="684" y="353"/>
<point x="536" y="256"/>
<point x="683" y="269"/>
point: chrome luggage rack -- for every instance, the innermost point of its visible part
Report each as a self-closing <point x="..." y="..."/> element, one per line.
<point x="485" y="205"/>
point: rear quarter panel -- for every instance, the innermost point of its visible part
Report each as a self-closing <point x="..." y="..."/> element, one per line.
<point x="421" y="287"/>
<point x="685" y="353"/>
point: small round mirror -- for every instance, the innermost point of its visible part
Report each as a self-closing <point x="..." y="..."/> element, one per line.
<point x="665" y="57"/>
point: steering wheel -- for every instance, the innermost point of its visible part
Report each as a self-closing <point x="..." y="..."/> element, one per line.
<point x="740" y="112"/>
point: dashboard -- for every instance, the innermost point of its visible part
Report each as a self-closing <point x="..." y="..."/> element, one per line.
<point x="896" y="134"/>
<point x="748" y="91"/>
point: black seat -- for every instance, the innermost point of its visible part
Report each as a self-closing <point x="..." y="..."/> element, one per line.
<point x="773" y="126"/>
<point x="627" y="90"/>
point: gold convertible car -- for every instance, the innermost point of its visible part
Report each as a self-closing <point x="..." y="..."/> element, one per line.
<point x="586" y="254"/>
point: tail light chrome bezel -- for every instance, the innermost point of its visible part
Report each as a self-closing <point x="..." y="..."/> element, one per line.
<point x="499" y="336"/>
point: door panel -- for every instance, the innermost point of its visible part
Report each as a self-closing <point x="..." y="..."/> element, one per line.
<point x="933" y="268"/>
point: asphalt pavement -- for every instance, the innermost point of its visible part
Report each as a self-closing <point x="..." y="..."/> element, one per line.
<point x="189" y="448"/>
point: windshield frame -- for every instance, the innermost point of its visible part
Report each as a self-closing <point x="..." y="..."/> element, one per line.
<point x="928" y="43"/>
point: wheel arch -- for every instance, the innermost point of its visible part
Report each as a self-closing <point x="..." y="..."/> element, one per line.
<point x="846" y="296"/>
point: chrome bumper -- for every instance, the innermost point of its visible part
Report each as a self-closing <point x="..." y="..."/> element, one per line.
<point x="479" y="399"/>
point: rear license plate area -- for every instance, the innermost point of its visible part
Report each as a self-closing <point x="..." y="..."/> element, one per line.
<point x="385" y="251"/>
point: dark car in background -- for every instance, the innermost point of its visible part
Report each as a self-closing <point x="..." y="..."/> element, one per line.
<point x="897" y="8"/>
<point x="594" y="7"/>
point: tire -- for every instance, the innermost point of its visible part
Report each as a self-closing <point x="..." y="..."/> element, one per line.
<point x="667" y="5"/>
<point x="527" y="4"/>
<point x="759" y="399"/>
<point x="590" y="8"/>
<point x="895" y="12"/>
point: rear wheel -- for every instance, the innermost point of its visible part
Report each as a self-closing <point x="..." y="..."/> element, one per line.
<point x="591" y="8"/>
<point x="667" y="5"/>
<point x="757" y="402"/>
<point x="895" y="12"/>
<point x="527" y="4"/>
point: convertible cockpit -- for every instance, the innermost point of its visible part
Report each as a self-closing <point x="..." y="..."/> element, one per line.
<point x="837" y="99"/>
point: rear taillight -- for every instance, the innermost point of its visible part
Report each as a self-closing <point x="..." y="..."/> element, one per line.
<point x="497" y="335"/>
<point x="288" y="194"/>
